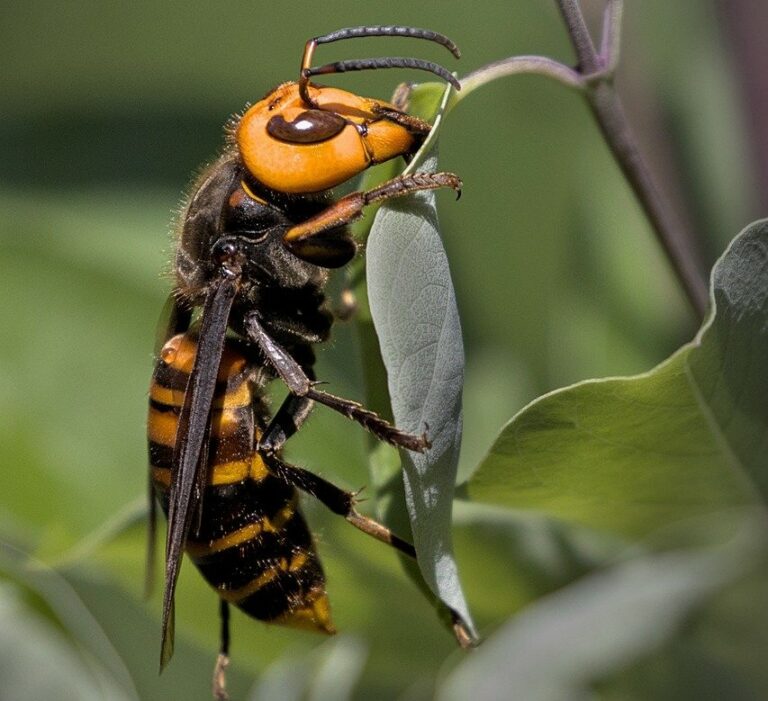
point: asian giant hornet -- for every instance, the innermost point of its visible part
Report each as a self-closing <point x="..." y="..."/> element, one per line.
<point x="256" y="240"/>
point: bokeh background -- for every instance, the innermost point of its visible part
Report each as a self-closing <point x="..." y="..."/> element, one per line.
<point x="106" y="109"/>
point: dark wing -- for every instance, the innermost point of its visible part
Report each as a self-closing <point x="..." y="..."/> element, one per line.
<point x="173" y="320"/>
<point x="188" y="456"/>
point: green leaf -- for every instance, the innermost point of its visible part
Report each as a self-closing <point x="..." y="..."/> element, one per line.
<point x="38" y="662"/>
<point x="414" y="310"/>
<point x="728" y="364"/>
<point x="328" y="673"/>
<point x="632" y="455"/>
<point x="388" y="238"/>
<point x="50" y="645"/>
<point x="556" y="648"/>
<point x="429" y="101"/>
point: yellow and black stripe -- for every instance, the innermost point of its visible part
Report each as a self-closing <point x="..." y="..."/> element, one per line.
<point x="252" y="544"/>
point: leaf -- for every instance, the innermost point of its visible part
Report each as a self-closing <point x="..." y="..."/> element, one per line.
<point x="338" y="669"/>
<point x="413" y="306"/>
<point x="37" y="661"/>
<point x="428" y="102"/>
<point x="543" y="552"/>
<point x="64" y="654"/>
<point x="728" y="364"/>
<point x="414" y="311"/>
<point x="634" y="454"/>
<point x="557" y="647"/>
<point x="328" y="673"/>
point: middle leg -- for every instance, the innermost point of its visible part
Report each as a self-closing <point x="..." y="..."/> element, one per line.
<point x="299" y="384"/>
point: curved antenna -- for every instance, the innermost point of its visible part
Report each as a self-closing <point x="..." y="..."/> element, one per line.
<point x="370" y="64"/>
<point x="388" y="62"/>
<point x="386" y="31"/>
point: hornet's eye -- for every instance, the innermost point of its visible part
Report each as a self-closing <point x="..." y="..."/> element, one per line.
<point x="309" y="127"/>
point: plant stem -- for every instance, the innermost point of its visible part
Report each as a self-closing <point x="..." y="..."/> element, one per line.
<point x="519" y="64"/>
<point x="610" y="44"/>
<point x="679" y="247"/>
<point x="580" y="37"/>
<point x="594" y="78"/>
<point x="680" y="250"/>
<point x="744" y="23"/>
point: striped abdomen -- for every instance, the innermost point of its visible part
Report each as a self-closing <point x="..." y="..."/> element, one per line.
<point x="252" y="543"/>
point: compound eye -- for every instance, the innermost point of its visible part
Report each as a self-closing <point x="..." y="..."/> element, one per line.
<point x="309" y="127"/>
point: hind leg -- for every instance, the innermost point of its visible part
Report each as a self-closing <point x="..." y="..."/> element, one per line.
<point x="337" y="500"/>
<point x="222" y="660"/>
<point x="343" y="503"/>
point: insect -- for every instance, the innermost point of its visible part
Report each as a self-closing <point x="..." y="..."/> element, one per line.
<point x="257" y="238"/>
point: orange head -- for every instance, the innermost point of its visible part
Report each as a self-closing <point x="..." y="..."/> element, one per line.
<point x="293" y="148"/>
<point x="303" y="138"/>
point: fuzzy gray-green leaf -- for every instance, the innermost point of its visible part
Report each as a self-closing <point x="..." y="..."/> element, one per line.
<point x="414" y="310"/>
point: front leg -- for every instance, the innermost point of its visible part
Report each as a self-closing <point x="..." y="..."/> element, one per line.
<point x="320" y="232"/>
<point x="299" y="384"/>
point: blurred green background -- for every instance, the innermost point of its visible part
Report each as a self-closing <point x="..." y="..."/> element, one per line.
<point x="106" y="109"/>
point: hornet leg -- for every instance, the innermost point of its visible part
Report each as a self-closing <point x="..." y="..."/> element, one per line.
<point x="349" y="208"/>
<point x="293" y="412"/>
<point x="300" y="385"/>
<point x="337" y="500"/>
<point x="222" y="660"/>
<point x="343" y="503"/>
